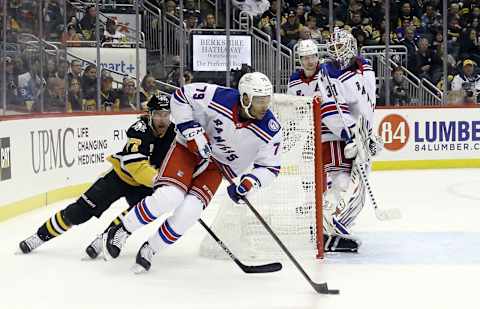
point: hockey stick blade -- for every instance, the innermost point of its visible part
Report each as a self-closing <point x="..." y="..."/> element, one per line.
<point x="259" y="269"/>
<point x="322" y="288"/>
<point x="388" y="214"/>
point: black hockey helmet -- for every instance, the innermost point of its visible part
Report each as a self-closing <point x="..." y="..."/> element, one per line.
<point x="159" y="103"/>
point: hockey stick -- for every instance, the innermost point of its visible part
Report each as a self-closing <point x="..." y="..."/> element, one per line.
<point x="321" y="288"/>
<point x="381" y="214"/>
<point x="255" y="269"/>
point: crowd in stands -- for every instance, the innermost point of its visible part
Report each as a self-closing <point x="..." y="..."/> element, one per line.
<point x="415" y="24"/>
<point x="67" y="87"/>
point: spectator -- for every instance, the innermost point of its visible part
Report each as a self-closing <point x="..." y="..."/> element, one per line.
<point x="315" y="32"/>
<point x="75" y="69"/>
<point x="107" y="94"/>
<point x="148" y="87"/>
<point x="431" y="19"/>
<point x="74" y="21"/>
<point x="74" y="100"/>
<point x="53" y="18"/>
<point x="407" y="14"/>
<point x="399" y="88"/>
<point x="424" y="60"/>
<point x="467" y="80"/>
<point x="89" y="88"/>
<point x="409" y="42"/>
<point x="191" y="21"/>
<point x="70" y="37"/>
<point x="190" y="9"/>
<point x="51" y="69"/>
<point x="31" y="86"/>
<point x="320" y="12"/>
<point x="54" y="100"/>
<point x="300" y="11"/>
<point x="304" y="34"/>
<point x="290" y="30"/>
<point x="187" y="77"/>
<point x="209" y="22"/>
<point x="126" y="97"/>
<point x="111" y="35"/>
<point x="88" y="23"/>
<point x="62" y="68"/>
<point x="470" y="45"/>
<point x="171" y="8"/>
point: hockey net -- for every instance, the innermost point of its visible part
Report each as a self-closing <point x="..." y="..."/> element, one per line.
<point x="289" y="205"/>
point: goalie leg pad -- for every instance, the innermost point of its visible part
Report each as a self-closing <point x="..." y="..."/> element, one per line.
<point x="353" y="199"/>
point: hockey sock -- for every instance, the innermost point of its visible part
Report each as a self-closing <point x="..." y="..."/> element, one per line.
<point x="176" y="225"/>
<point x="53" y="227"/>
<point x="163" y="200"/>
<point x="165" y="236"/>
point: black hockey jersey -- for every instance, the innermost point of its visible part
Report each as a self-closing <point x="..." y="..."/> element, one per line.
<point x="143" y="153"/>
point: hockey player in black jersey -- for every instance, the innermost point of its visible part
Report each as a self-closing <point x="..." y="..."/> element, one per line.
<point x="134" y="168"/>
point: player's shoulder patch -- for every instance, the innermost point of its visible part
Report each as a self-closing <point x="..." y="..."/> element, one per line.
<point x="226" y="97"/>
<point x="269" y="125"/>
<point x="140" y="129"/>
<point x="140" y="126"/>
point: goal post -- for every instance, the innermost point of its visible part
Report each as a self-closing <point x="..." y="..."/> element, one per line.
<point x="291" y="205"/>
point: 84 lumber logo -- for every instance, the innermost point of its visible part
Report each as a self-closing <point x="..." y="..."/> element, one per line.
<point x="5" y="166"/>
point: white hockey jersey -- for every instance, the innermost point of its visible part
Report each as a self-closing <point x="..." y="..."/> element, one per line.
<point x="238" y="145"/>
<point x="300" y="85"/>
<point x="354" y="89"/>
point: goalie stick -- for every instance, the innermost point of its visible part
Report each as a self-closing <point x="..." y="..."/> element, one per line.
<point x="381" y="214"/>
<point x="249" y="269"/>
<point x="321" y="288"/>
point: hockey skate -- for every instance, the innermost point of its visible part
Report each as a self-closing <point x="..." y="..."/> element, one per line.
<point x="143" y="261"/>
<point x="95" y="248"/>
<point x="31" y="243"/>
<point x="113" y="241"/>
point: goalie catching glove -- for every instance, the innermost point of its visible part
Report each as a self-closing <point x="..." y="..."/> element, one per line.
<point x="238" y="192"/>
<point x="197" y="141"/>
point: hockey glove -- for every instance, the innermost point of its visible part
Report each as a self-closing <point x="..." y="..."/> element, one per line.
<point x="237" y="192"/>
<point x="197" y="141"/>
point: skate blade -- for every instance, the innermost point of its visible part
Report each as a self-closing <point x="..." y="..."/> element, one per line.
<point x="87" y="258"/>
<point x="138" y="269"/>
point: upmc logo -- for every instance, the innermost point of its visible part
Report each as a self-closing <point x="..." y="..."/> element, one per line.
<point x="395" y="132"/>
<point x="5" y="163"/>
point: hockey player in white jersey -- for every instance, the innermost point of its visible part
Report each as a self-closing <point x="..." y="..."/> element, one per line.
<point x="303" y="82"/>
<point x="348" y="80"/>
<point x="237" y="129"/>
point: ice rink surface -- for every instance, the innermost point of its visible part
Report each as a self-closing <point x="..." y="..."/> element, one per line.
<point x="429" y="259"/>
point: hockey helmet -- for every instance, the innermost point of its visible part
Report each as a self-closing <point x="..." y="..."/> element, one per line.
<point x="306" y="48"/>
<point x="160" y="103"/>
<point x="254" y="84"/>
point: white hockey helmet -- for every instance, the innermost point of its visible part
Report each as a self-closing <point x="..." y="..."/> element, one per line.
<point x="342" y="47"/>
<point x="254" y="84"/>
<point x="306" y="48"/>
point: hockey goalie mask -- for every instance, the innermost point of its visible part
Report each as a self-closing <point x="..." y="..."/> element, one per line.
<point x="342" y="47"/>
<point x="255" y="94"/>
<point x="307" y="50"/>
